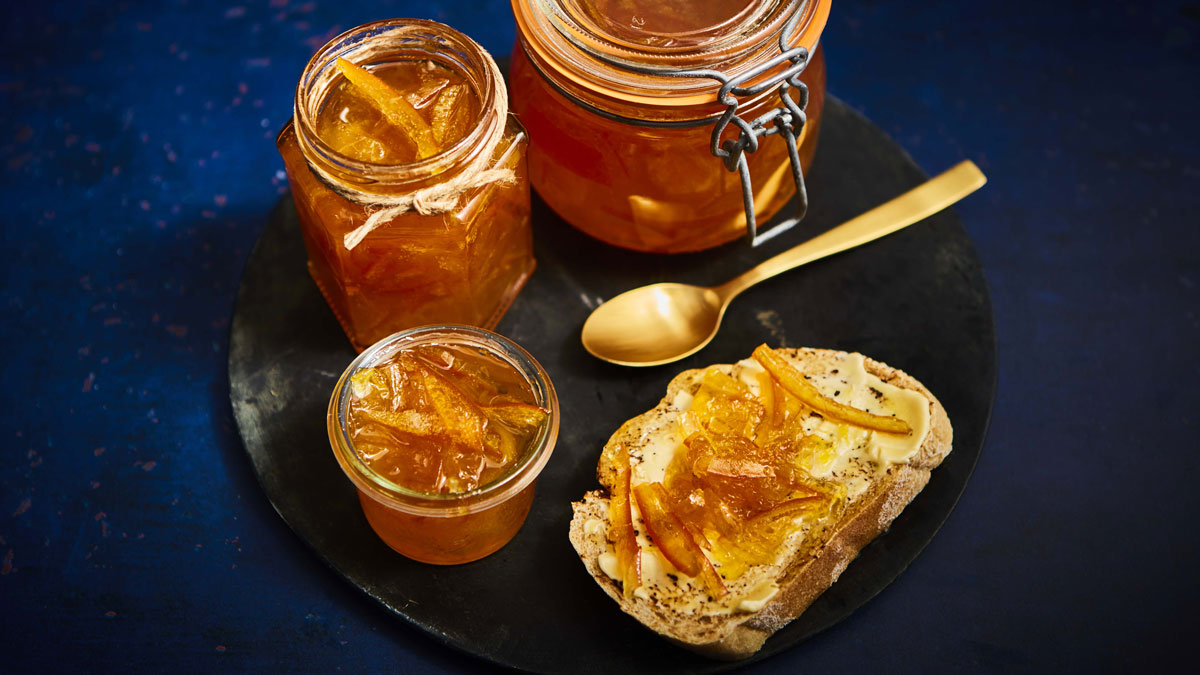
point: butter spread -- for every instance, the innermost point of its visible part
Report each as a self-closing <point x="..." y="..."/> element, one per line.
<point x="855" y="458"/>
<point x="608" y="564"/>
<point x="758" y="597"/>
<point x="850" y="383"/>
<point x="594" y="526"/>
<point x="660" y="437"/>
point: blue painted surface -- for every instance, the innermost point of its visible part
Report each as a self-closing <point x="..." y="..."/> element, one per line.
<point x="138" y="164"/>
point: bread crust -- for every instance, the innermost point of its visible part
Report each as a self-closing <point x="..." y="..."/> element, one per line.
<point x="739" y="635"/>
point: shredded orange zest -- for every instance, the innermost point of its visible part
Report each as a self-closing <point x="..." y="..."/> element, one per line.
<point x="450" y="114"/>
<point x="392" y="104"/>
<point x="790" y="509"/>
<point x="456" y="413"/>
<point x="673" y="538"/>
<point x="620" y="514"/>
<point x="766" y="396"/>
<point x="517" y="415"/>
<point x="794" y="382"/>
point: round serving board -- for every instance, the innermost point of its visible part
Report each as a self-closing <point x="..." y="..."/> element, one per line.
<point x="916" y="300"/>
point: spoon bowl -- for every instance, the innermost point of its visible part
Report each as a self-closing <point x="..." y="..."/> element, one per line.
<point x="654" y="324"/>
<point x="661" y="323"/>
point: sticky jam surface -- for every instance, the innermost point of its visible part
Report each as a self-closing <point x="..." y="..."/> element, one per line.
<point x="397" y="113"/>
<point x="442" y="418"/>
<point x="742" y="476"/>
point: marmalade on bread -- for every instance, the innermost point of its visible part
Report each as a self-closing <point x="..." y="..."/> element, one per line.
<point x="759" y="458"/>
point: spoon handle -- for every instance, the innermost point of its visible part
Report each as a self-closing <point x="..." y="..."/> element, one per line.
<point x="917" y="204"/>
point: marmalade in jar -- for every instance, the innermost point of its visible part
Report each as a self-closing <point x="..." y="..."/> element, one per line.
<point x="442" y="418"/>
<point x="443" y="429"/>
<point x="625" y="156"/>
<point x="397" y="113"/>
<point x="386" y="113"/>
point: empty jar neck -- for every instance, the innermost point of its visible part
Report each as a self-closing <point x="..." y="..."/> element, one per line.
<point x="587" y="60"/>
<point x="393" y="41"/>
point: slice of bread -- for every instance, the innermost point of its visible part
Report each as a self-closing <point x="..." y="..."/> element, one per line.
<point x="811" y="561"/>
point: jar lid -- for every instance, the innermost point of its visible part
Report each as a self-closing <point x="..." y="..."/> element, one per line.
<point x="658" y="27"/>
<point x="584" y="44"/>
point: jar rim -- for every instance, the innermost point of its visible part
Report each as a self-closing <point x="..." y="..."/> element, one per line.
<point x="417" y="502"/>
<point x="575" y="59"/>
<point x="382" y="40"/>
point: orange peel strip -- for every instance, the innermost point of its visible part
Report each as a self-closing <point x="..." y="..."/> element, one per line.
<point x="457" y="413"/>
<point x="501" y="445"/>
<point x="449" y="114"/>
<point x="789" y="509"/>
<point x="517" y="415"/>
<point x="673" y="539"/>
<point x="392" y="104"/>
<point x="793" y="381"/>
<point x="620" y="515"/>
<point x="766" y="396"/>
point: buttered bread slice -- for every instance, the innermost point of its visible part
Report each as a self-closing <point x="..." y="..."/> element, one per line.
<point x="741" y="497"/>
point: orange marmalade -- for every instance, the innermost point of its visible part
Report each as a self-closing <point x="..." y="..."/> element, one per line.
<point x="624" y="155"/>
<point x="385" y="158"/>
<point x="750" y="468"/>
<point x="443" y="430"/>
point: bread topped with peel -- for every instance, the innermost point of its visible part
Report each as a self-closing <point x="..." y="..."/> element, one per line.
<point x="728" y="508"/>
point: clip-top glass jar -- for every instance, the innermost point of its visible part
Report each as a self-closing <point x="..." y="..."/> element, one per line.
<point x="395" y="240"/>
<point x="448" y="526"/>
<point x="621" y="99"/>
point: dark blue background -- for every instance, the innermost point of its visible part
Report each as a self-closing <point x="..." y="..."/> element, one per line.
<point x="138" y="165"/>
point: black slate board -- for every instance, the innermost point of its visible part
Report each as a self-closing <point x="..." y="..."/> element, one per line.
<point x="916" y="300"/>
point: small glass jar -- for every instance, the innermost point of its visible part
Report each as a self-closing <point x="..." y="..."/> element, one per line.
<point x="624" y="155"/>
<point x="451" y="527"/>
<point x="463" y="264"/>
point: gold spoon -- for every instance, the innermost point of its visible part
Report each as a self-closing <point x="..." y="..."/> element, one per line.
<point x="661" y="323"/>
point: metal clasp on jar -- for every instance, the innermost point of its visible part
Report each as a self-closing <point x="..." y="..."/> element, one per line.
<point x="787" y="120"/>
